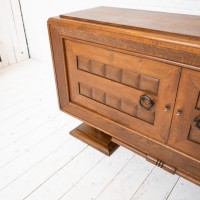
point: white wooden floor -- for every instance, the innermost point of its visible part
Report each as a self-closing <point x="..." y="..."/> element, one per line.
<point x="39" y="160"/>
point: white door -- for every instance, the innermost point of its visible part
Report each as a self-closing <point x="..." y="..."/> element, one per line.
<point x="13" y="46"/>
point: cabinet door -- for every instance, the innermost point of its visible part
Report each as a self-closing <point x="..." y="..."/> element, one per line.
<point x="185" y="131"/>
<point x="132" y="91"/>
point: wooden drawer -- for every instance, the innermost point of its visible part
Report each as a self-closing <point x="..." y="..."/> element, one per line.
<point x="112" y="84"/>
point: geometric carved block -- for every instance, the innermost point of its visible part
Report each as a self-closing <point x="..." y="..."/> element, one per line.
<point x="194" y="134"/>
<point x="84" y="63"/>
<point x="85" y="90"/>
<point x="122" y="104"/>
<point x="127" y="106"/>
<point x="130" y="78"/>
<point x="98" y="68"/>
<point x="98" y="95"/>
<point x="113" y="101"/>
<point x="146" y="115"/>
<point x="198" y="102"/>
<point x="113" y="73"/>
<point x="149" y="84"/>
<point x="125" y="77"/>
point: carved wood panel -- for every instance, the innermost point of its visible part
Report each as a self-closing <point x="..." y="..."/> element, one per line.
<point x="122" y="104"/>
<point x="129" y="78"/>
<point x="112" y="84"/>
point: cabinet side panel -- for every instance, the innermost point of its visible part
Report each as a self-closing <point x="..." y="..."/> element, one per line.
<point x="59" y="62"/>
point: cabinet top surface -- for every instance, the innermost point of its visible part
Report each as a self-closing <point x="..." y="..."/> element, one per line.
<point x="140" y="19"/>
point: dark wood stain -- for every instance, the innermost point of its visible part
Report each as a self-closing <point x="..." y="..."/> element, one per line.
<point x="110" y="64"/>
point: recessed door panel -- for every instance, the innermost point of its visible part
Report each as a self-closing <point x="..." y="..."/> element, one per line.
<point x="133" y="91"/>
<point x="185" y="132"/>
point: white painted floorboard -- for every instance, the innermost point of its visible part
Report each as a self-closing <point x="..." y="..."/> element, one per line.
<point x="39" y="160"/>
<point x="131" y="176"/>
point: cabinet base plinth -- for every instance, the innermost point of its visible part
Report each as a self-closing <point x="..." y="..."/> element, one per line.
<point x="95" y="138"/>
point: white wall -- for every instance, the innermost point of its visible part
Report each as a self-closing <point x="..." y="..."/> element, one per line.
<point x="36" y="13"/>
<point x="13" y="47"/>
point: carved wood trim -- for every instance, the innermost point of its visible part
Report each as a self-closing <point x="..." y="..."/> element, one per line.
<point x="161" y="164"/>
<point x="151" y="159"/>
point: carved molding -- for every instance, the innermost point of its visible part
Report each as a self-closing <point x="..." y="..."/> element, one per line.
<point x="161" y="164"/>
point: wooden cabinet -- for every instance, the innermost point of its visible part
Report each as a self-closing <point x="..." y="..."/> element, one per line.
<point x="133" y="83"/>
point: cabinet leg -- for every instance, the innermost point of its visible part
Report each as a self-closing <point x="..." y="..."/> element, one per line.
<point x="95" y="138"/>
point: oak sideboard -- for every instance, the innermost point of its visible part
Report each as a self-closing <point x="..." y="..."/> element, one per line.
<point x="133" y="78"/>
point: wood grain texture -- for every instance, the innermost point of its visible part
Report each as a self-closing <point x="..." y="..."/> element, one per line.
<point x="174" y="50"/>
<point x="130" y="18"/>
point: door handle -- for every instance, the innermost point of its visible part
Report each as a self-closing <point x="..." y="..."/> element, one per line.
<point x="146" y="102"/>
<point x="197" y="120"/>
